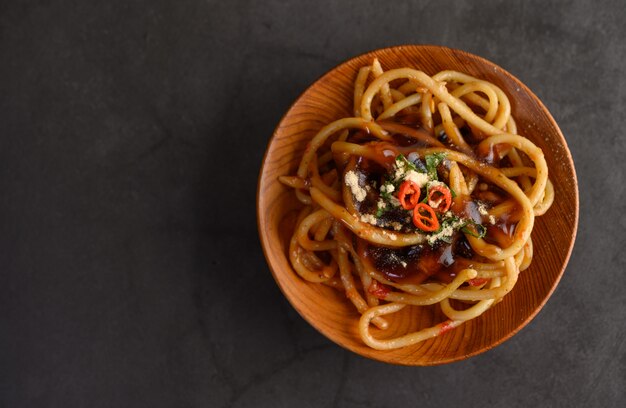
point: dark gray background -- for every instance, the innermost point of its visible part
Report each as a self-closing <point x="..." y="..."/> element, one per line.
<point x="131" y="135"/>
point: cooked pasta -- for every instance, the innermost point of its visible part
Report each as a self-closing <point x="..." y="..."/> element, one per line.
<point x="426" y="196"/>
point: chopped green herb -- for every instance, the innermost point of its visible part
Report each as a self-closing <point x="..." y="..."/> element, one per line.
<point x="425" y="199"/>
<point x="400" y="158"/>
<point x="432" y="161"/>
<point x="446" y="238"/>
<point x="444" y="223"/>
<point x="385" y="192"/>
<point x="451" y="220"/>
<point x="475" y="229"/>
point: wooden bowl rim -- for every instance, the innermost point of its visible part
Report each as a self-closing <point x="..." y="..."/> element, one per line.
<point x="379" y="355"/>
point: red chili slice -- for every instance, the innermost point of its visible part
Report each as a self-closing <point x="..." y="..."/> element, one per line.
<point x="424" y="218"/>
<point x="411" y="190"/>
<point x="378" y="289"/>
<point x="445" y="327"/>
<point x="439" y="198"/>
<point x="477" y="281"/>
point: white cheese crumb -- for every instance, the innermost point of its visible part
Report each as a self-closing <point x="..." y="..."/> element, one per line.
<point x="403" y="264"/>
<point x="418" y="178"/>
<point x="396" y="225"/>
<point x="387" y="188"/>
<point x="352" y="181"/>
<point x="492" y="220"/>
<point x="399" y="173"/>
<point x="401" y="167"/>
<point x="381" y="204"/>
<point x="368" y="218"/>
<point x="482" y="209"/>
<point x="445" y="232"/>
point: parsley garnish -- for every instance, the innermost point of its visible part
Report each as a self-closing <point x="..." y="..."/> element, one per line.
<point x="432" y="161"/>
<point x="384" y="191"/>
<point x="446" y="222"/>
<point x="475" y="229"/>
<point x="400" y="158"/>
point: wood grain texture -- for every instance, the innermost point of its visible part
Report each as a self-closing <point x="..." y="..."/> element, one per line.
<point x="330" y="98"/>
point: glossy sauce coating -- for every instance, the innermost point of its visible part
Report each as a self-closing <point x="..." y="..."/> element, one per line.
<point x="419" y="263"/>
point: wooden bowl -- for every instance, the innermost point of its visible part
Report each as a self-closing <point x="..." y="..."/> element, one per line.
<point x="330" y="98"/>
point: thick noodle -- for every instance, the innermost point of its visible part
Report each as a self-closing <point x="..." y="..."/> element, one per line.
<point x="452" y="115"/>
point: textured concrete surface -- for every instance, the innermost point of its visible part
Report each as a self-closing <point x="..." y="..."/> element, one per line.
<point x="131" y="134"/>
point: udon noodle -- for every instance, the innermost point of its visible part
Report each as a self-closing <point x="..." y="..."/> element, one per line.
<point x="426" y="195"/>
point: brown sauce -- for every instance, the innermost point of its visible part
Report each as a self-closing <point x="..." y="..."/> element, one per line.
<point x="464" y="206"/>
<point x="493" y="153"/>
<point x="418" y="263"/>
<point x="371" y="173"/>
<point x="501" y="234"/>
